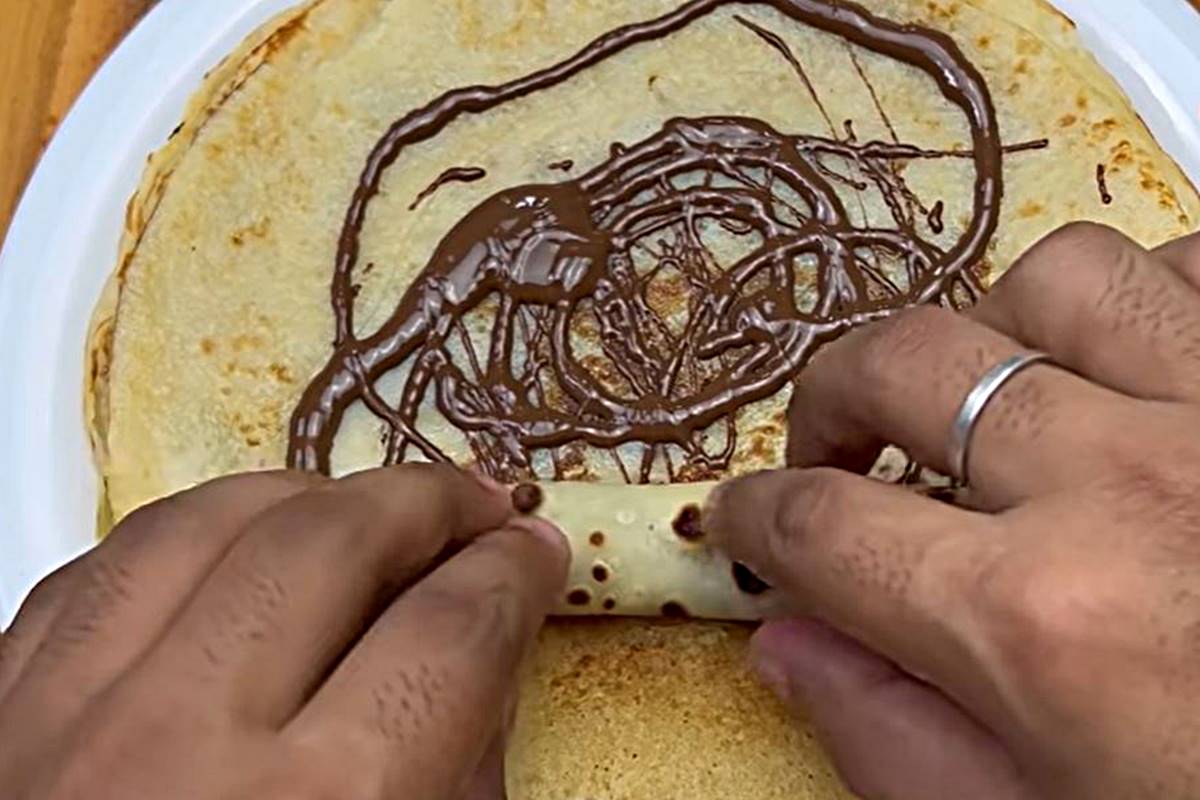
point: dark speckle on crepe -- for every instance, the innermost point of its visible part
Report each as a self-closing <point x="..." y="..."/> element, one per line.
<point x="687" y="523"/>
<point x="674" y="610"/>
<point x="527" y="498"/>
<point x="747" y="581"/>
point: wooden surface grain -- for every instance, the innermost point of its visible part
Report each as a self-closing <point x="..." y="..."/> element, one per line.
<point x="48" y="50"/>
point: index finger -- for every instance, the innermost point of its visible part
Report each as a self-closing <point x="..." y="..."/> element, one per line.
<point x="421" y="697"/>
<point x="903" y="381"/>
<point x="298" y="586"/>
<point x="882" y="563"/>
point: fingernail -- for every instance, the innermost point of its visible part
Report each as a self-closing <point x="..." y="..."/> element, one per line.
<point x="544" y="530"/>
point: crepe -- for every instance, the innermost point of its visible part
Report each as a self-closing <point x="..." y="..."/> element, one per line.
<point x="588" y="242"/>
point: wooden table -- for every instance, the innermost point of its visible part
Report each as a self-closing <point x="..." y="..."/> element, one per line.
<point x="48" y="50"/>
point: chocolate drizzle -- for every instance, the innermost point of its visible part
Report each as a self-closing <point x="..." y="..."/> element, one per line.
<point x="598" y="253"/>
<point x="934" y="218"/>
<point x="526" y="498"/>
<point x="1102" y="184"/>
<point x="461" y="174"/>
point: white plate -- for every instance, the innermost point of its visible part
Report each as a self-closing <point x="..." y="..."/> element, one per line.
<point x="63" y="239"/>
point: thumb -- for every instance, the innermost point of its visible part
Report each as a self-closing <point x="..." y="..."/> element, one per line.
<point x="889" y="734"/>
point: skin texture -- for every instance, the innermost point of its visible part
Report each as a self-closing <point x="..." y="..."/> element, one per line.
<point x="208" y="648"/>
<point x="1043" y="639"/>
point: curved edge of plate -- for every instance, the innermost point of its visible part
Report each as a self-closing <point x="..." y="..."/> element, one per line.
<point x="60" y="248"/>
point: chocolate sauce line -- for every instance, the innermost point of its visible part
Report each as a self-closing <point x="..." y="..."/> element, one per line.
<point x="883" y="151"/>
<point x="1102" y="185"/>
<point x="862" y="75"/>
<point x="935" y="217"/>
<point x="1033" y="144"/>
<point x="459" y="174"/>
<point x="775" y="41"/>
<point x="561" y="254"/>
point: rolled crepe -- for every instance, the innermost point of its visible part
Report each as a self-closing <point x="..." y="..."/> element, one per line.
<point x="640" y="551"/>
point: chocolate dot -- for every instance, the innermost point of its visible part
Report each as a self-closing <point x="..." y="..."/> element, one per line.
<point x="600" y="573"/>
<point x="526" y="498"/>
<point x="579" y="597"/>
<point x="674" y="610"/>
<point x="609" y="604"/>
<point x="687" y="523"/>
<point x="596" y="539"/>
<point x="747" y="581"/>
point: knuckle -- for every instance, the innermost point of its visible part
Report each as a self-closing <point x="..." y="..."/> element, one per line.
<point x="408" y="491"/>
<point x="347" y="518"/>
<point x="1084" y="264"/>
<point x="408" y="699"/>
<point x="481" y="613"/>
<point x="145" y="520"/>
<point x="817" y="505"/>
<point x="108" y="582"/>
<point x="1038" y="615"/>
<point x="1079" y="243"/>
<point x="510" y="549"/>
<point x="55" y="586"/>
<point x="891" y="347"/>
<point x="1159" y="491"/>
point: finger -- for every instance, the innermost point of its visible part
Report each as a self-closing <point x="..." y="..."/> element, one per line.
<point x="19" y="642"/>
<point x="426" y="687"/>
<point x="1183" y="256"/>
<point x="1105" y="308"/>
<point x="903" y="380"/>
<point x="126" y="591"/>
<point x="887" y="565"/>
<point x="889" y="734"/>
<point x="307" y="577"/>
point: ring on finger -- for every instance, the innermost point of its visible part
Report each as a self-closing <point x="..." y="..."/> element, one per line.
<point x="977" y="400"/>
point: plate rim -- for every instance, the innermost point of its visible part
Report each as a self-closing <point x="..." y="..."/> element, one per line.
<point x="67" y="218"/>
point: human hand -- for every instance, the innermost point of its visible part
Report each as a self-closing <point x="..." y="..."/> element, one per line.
<point x="1045" y="641"/>
<point x="282" y="635"/>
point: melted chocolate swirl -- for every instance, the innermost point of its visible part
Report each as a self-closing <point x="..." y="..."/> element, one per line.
<point x="596" y="255"/>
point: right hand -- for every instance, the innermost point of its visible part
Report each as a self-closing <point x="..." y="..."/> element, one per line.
<point x="1045" y="642"/>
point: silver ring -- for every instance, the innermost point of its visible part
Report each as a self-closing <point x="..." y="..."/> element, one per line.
<point x="972" y="408"/>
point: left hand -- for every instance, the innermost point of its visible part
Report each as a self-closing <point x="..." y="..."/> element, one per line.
<point x="282" y="635"/>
